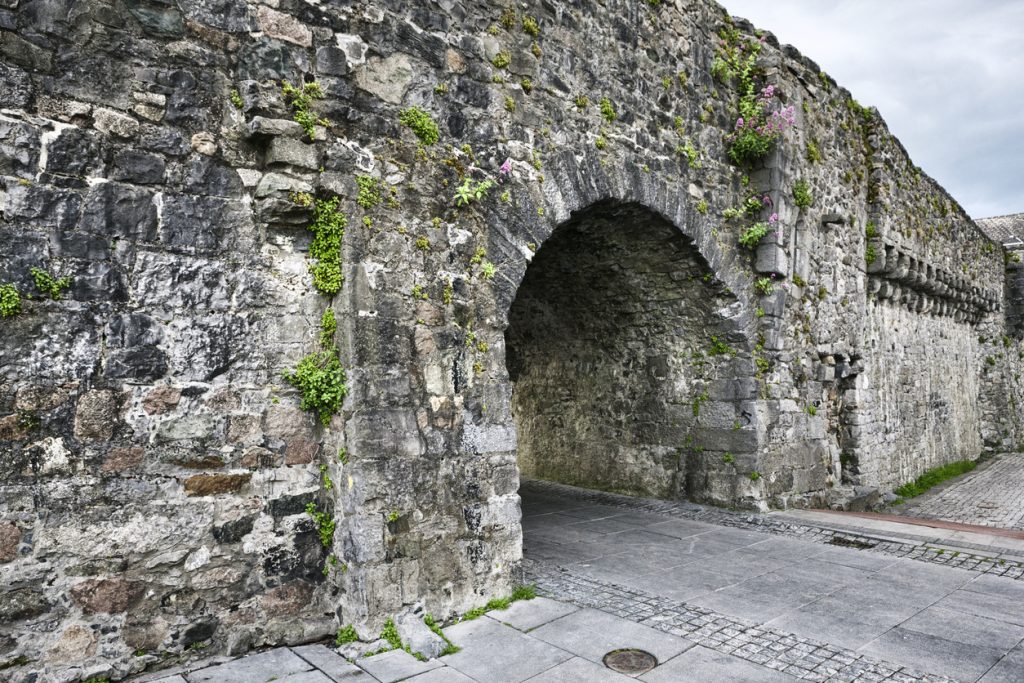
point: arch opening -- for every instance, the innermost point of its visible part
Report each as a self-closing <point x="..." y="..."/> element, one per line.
<point x="629" y="372"/>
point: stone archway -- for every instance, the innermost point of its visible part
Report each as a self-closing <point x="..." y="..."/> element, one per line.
<point x="629" y="371"/>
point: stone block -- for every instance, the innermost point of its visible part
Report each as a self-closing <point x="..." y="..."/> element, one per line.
<point x="115" y="123"/>
<point x="107" y="596"/>
<point x="420" y="639"/>
<point x="96" y="415"/>
<point x="293" y="153"/>
<point x="10" y="539"/>
<point x="284" y="26"/>
<point x="214" y="484"/>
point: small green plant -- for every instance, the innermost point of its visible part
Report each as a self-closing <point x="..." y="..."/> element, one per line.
<point x="728" y="458"/>
<point x="934" y="477"/>
<point x="422" y="243"/>
<point x="447" y="293"/>
<point x="698" y="401"/>
<point x="49" y="285"/>
<point x="441" y="89"/>
<point x="525" y="592"/>
<point x="346" y="635"/>
<point x="871" y="230"/>
<point x="324" y="524"/>
<point x="702" y="206"/>
<point x="720" y="348"/>
<point x="600" y="142"/>
<point x="502" y="60"/>
<point x="420" y="123"/>
<point x="813" y="153"/>
<point x="10" y="301"/>
<point x="755" y="475"/>
<point x="510" y="105"/>
<point x="608" y="110"/>
<point x="812" y="410"/>
<point x="321" y="379"/>
<point x="870" y="254"/>
<point x="343" y="455"/>
<point x="301" y="99"/>
<point x="581" y="101"/>
<point x="527" y="85"/>
<point x="325" y="477"/>
<point x="488" y="270"/>
<point x="752" y="236"/>
<point x="328" y="228"/>
<point x="450" y="647"/>
<point x="369" y="191"/>
<point x="764" y="286"/>
<point x="759" y="312"/>
<point x="687" y="150"/>
<point x="530" y="26"/>
<point x="802" y="194"/>
<point x="508" y="18"/>
<point x="236" y="99"/>
<point x="328" y="326"/>
<point x="390" y="634"/>
<point x="472" y="191"/>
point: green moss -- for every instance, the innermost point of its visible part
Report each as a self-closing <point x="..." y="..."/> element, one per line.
<point x="702" y="206"/>
<point x="450" y="647"/>
<point x="754" y="476"/>
<point x="608" y="110"/>
<point x="870" y="254"/>
<point x="369" y="191"/>
<point x="328" y="326"/>
<point x="527" y="85"/>
<point x="934" y="477"/>
<point x="328" y="228"/>
<point x="531" y="26"/>
<point x="236" y="99"/>
<point x="581" y="101"/>
<point x="390" y="634"/>
<point x="10" y="301"/>
<point x="49" y="285"/>
<point x="301" y="100"/>
<point x="421" y="124"/>
<point x="510" y="105"/>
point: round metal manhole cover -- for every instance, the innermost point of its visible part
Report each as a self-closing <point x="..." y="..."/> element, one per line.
<point x="630" y="661"/>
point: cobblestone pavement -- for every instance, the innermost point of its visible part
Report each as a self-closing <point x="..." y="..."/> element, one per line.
<point x="713" y="595"/>
<point x="991" y="495"/>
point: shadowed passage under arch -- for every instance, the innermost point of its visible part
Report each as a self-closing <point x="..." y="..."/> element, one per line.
<point x="622" y="358"/>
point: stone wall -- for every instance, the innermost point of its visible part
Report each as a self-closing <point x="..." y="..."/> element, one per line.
<point x="157" y="465"/>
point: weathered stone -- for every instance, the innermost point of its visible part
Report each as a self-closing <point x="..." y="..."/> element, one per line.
<point x="388" y="78"/>
<point x="108" y="596"/>
<point x="293" y="153"/>
<point x="420" y="639"/>
<point x="115" y="123"/>
<point x="161" y="400"/>
<point x="96" y="415"/>
<point x="75" y="644"/>
<point x="204" y="143"/>
<point x="283" y="26"/>
<point x="22" y="603"/>
<point x="121" y="459"/>
<point x="10" y="538"/>
<point x="214" y="484"/>
<point x="300" y="451"/>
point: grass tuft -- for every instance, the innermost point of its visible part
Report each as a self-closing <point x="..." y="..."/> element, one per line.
<point x="934" y="477"/>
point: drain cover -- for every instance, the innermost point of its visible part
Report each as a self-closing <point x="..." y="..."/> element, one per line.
<point x="630" y="661"/>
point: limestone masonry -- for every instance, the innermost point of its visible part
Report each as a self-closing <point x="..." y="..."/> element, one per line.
<point x="543" y="276"/>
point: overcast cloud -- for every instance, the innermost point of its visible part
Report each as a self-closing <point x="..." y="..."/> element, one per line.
<point x="946" y="75"/>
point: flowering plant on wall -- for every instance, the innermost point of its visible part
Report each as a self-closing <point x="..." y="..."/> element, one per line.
<point x="761" y="120"/>
<point x="758" y="126"/>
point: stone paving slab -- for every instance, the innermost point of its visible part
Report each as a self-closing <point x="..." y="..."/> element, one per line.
<point x="256" y="668"/>
<point x="336" y="667"/>
<point x="527" y="615"/>
<point x="495" y="653"/>
<point x="701" y="665"/>
<point x="396" y="665"/>
<point x="579" y="670"/>
<point x="444" y="674"/>
<point x="592" y="634"/>
<point x="1008" y="670"/>
<point x="956" y="659"/>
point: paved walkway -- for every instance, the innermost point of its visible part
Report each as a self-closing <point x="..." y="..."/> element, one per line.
<point x="991" y="495"/>
<point x="711" y="602"/>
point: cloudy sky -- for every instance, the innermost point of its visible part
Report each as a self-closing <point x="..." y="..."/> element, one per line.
<point x="946" y="75"/>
